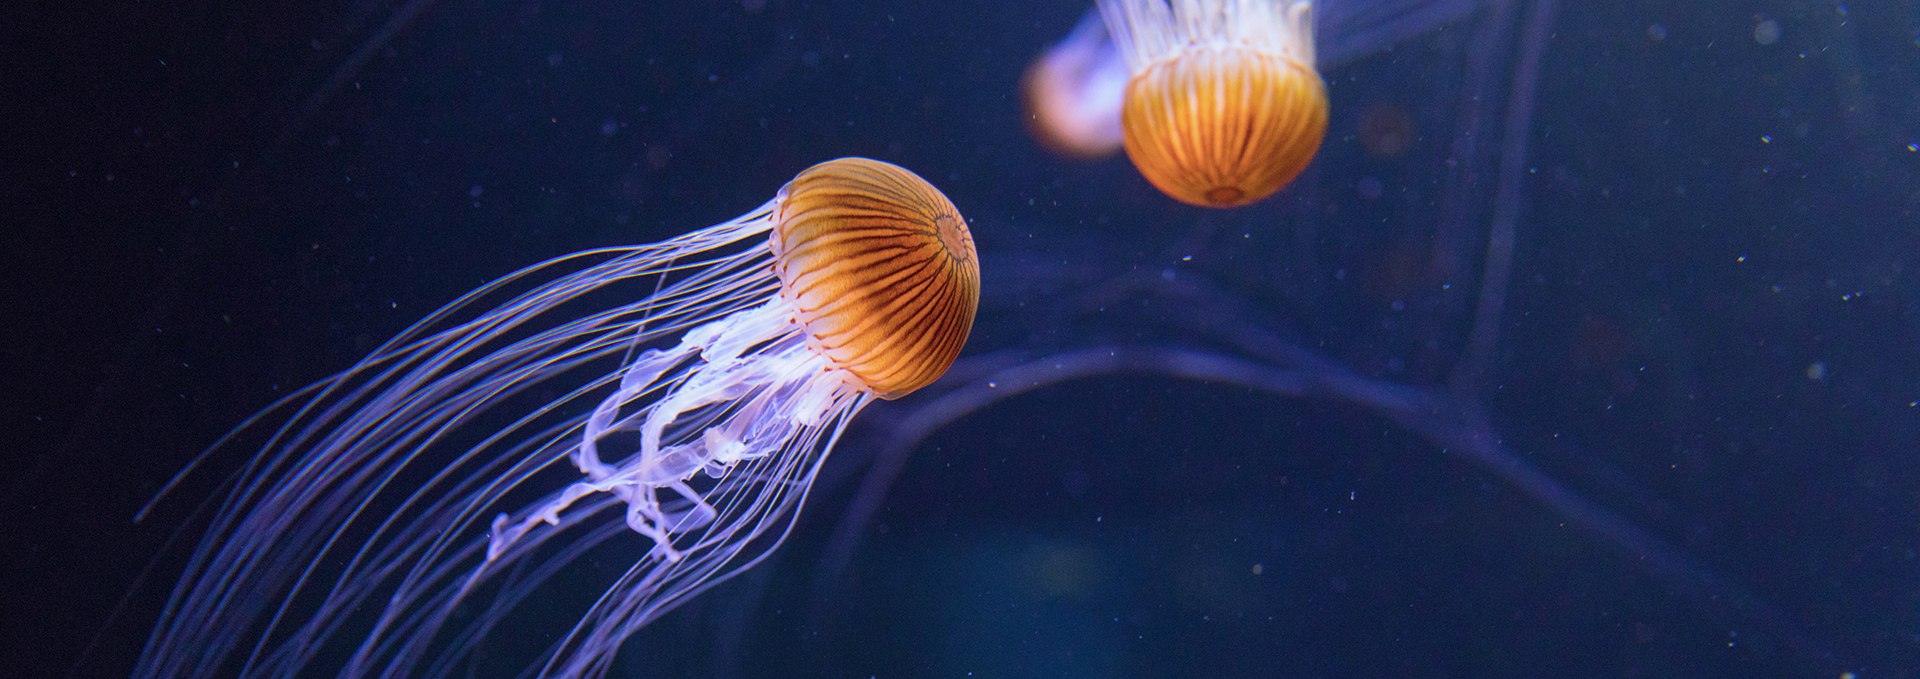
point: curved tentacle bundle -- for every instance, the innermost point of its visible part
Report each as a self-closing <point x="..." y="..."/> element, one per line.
<point x="400" y="513"/>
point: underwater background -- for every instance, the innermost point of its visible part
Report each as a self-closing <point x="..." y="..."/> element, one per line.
<point x="1292" y="439"/>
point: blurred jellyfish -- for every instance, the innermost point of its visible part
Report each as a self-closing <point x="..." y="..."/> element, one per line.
<point x="1224" y="106"/>
<point x="1073" y="92"/>
<point x="420" y="500"/>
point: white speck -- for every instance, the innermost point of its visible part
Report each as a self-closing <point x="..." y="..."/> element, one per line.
<point x="1817" y="371"/>
<point x="1766" y="32"/>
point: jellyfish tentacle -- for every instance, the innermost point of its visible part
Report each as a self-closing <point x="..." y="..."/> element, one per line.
<point x="718" y="408"/>
<point x="700" y="411"/>
<point x="342" y="445"/>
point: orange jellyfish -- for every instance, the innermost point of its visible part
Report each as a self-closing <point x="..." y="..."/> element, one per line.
<point x="415" y="513"/>
<point x="1224" y="106"/>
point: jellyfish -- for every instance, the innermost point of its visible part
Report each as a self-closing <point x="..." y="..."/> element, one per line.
<point x="1224" y="106"/>
<point x="1072" y="93"/>
<point x="669" y="403"/>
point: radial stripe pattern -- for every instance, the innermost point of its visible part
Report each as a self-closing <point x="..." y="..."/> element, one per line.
<point x="881" y="268"/>
<point x="1224" y="125"/>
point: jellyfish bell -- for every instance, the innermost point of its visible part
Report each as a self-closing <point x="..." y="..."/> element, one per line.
<point x="402" y="512"/>
<point x="880" y="270"/>
<point x="1072" y="93"/>
<point x="1224" y="106"/>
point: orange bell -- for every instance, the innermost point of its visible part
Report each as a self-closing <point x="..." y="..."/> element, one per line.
<point x="1224" y="106"/>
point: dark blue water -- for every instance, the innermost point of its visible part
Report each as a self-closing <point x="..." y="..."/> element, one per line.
<point x="1684" y="442"/>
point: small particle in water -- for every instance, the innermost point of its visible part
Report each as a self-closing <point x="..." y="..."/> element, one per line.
<point x="1657" y="32"/>
<point x="554" y="59"/>
<point x="1741" y="258"/>
<point x="1766" y="32"/>
<point x="475" y="191"/>
<point x="608" y="127"/>
<point x="1187" y="258"/>
<point x="1766" y="139"/>
<point x="1259" y="568"/>
<point x="1817" y="371"/>
<point x="1913" y="147"/>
